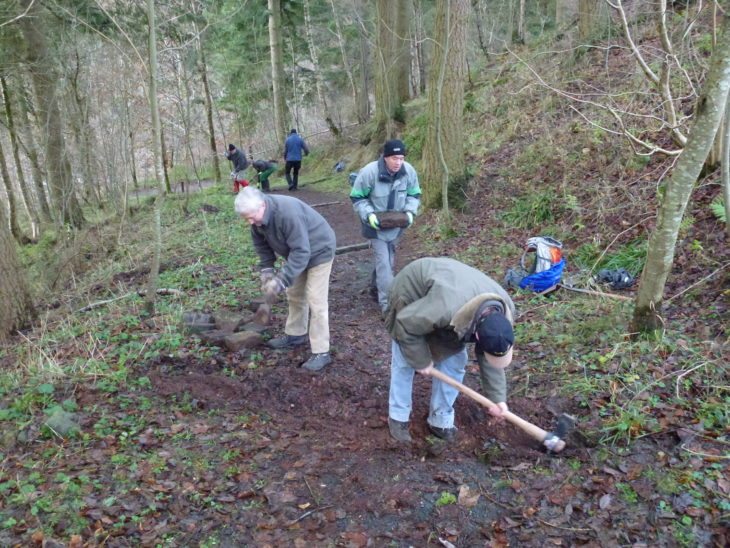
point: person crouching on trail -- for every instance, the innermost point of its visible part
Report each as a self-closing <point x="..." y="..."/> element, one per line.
<point x="264" y="170"/>
<point x="285" y="226"/>
<point x="436" y="307"/>
<point x="240" y="163"/>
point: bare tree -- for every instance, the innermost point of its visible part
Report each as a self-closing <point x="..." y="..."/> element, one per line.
<point x="158" y="155"/>
<point x="662" y="242"/>
<point x="15" y="299"/>
<point x="277" y="71"/>
<point x="14" y="143"/>
<point x="392" y="65"/>
<point x="45" y="82"/>
<point x="12" y="203"/>
<point x="444" y="148"/>
<point x="355" y="91"/>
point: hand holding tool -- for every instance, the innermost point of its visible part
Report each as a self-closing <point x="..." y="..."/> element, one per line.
<point x="553" y="441"/>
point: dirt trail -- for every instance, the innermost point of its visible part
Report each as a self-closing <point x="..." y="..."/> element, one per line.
<point x="316" y="456"/>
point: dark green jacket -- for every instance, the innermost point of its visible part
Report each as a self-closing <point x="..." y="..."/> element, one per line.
<point x="431" y="314"/>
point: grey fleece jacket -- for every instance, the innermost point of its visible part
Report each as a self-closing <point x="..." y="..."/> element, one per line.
<point x="295" y="231"/>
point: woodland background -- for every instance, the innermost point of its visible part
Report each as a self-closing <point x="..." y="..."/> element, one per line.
<point x="599" y="122"/>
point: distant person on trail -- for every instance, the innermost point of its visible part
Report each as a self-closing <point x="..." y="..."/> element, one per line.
<point x="264" y="170"/>
<point x="389" y="184"/>
<point x="436" y="307"/>
<point x="289" y="228"/>
<point x="294" y="146"/>
<point x="240" y="163"/>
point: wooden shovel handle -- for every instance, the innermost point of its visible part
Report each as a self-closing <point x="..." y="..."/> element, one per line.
<point x="533" y="430"/>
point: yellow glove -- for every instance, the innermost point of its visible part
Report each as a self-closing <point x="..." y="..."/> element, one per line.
<point x="373" y="221"/>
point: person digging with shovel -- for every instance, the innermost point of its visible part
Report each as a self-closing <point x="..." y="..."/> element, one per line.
<point x="436" y="306"/>
<point x="289" y="228"/>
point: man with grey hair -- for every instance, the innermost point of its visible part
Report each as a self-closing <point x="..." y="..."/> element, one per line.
<point x="289" y="228"/>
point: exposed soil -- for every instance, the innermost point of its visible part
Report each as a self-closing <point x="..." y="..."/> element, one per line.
<point x="252" y="450"/>
<point x="317" y="466"/>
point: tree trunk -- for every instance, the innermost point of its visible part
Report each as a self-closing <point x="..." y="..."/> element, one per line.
<point x="277" y="71"/>
<point x="662" y="242"/>
<point x="402" y="61"/>
<point x="444" y="147"/>
<point x="30" y="149"/>
<point x="318" y="80"/>
<point x="726" y="167"/>
<point x="385" y="99"/>
<point x="12" y="207"/>
<point x="27" y="194"/>
<point x="346" y="64"/>
<point x="521" y="23"/>
<point x="15" y="301"/>
<point x="166" y="160"/>
<point x="363" y="107"/>
<point x="419" y="36"/>
<point x="566" y="12"/>
<point x="203" y="69"/>
<point x="158" y="158"/>
<point x="82" y="133"/>
<point x="45" y="82"/>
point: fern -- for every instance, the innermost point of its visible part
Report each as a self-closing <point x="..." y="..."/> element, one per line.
<point x="718" y="209"/>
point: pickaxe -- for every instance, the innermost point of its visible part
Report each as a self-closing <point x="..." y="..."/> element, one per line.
<point x="553" y="441"/>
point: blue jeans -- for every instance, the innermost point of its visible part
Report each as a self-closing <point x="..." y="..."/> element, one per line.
<point x="443" y="396"/>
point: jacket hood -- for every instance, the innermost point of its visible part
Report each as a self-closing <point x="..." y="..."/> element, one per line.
<point x="463" y="320"/>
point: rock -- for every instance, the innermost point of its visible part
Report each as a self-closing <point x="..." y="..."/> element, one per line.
<point x="215" y="337"/>
<point x="198" y="322"/>
<point x="243" y="339"/>
<point x="63" y="423"/>
<point x="227" y="322"/>
<point x="255" y="327"/>
<point x="263" y="315"/>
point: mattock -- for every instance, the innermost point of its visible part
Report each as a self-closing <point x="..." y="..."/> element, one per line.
<point x="554" y="441"/>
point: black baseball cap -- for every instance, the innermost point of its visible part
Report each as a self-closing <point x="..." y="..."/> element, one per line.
<point x="495" y="338"/>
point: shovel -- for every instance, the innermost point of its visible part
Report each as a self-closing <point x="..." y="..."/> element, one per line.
<point x="553" y="441"/>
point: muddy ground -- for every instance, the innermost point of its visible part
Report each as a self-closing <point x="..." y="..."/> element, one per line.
<point x="312" y="463"/>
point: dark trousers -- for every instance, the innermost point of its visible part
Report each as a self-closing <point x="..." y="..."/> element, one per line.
<point x="292" y="179"/>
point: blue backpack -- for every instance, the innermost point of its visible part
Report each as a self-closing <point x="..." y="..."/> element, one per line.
<point x="546" y="269"/>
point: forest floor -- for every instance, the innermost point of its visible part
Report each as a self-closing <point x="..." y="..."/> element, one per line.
<point x="249" y="449"/>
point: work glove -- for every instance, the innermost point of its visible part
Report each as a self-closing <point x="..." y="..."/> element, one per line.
<point x="266" y="275"/>
<point x="410" y="218"/>
<point x="373" y="221"/>
<point x="274" y="286"/>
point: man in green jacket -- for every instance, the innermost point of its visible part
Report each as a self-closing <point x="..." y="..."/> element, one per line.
<point x="435" y="307"/>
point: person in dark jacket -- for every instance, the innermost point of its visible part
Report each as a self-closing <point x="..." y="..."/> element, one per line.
<point x="289" y="228"/>
<point x="387" y="184"/>
<point x="294" y="147"/>
<point x="240" y="163"/>
<point x="264" y="170"/>
<point x="436" y="307"/>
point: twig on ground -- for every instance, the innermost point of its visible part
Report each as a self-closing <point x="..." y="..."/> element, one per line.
<point x="575" y="529"/>
<point x="596" y="293"/>
<point x="353" y="247"/>
<point x="710" y="275"/>
<point x="325" y="204"/>
<point x="306" y="514"/>
<point x="141" y="293"/>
